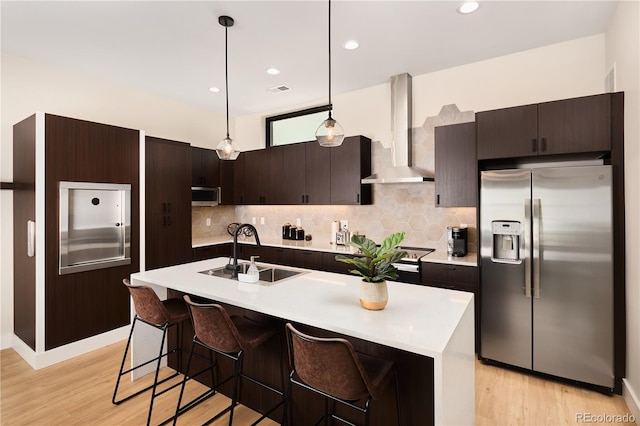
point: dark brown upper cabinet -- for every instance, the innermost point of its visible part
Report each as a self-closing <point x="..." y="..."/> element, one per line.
<point x="306" y="174"/>
<point x="569" y="126"/>
<point x="456" y="178"/>
<point x="234" y="171"/>
<point x="294" y="173"/>
<point x="303" y="173"/>
<point x="227" y="181"/>
<point x="263" y="176"/>
<point x="205" y="168"/>
<point x="350" y="162"/>
<point x="317" y="174"/>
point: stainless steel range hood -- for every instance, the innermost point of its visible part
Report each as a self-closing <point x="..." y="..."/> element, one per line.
<point x="401" y="171"/>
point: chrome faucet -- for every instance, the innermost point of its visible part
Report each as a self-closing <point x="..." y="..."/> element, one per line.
<point x="234" y="266"/>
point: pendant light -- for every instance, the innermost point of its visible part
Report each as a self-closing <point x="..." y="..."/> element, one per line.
<point x="225" y="149"/>
<point x="330" y="133"/>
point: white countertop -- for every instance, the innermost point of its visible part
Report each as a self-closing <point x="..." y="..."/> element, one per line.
<point x="438" y="256"/>
<point x="417" y="319"/>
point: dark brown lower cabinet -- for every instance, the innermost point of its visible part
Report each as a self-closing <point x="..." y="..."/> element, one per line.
<point x="415" y="377"/>
<point x="455" y="277"/>
<point x="209" y="252"/>
<point x="330" y="264"/>
<point x="298" y="258"/>
<point x="307" y="259"/>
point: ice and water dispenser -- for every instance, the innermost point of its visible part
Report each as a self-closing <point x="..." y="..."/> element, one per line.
<point x="506" y="241"/>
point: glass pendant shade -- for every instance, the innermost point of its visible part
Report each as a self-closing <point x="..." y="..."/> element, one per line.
<point x="330" y="133"/>
<point x="226" y="150"/>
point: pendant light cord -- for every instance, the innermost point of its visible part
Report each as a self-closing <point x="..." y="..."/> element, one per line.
<point x="330" y="104"/>
<point x="226" y="76"/>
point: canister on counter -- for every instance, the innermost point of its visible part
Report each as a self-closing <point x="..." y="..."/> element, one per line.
<point x="286" y="231"/>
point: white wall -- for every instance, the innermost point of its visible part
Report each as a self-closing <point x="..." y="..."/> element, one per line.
<point x="27" y="87"/>
<point x="623" y="50"/>
<point x="559" y="71"/>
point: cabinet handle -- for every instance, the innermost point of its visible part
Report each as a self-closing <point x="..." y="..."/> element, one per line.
<point x="358" y="198"/>
<point x="534" y="145"/>
<point x="164" y="207"/>
<point x="543" y="144"/>
<point x="437" y="199"/>
<point x="307" y="198"/>
<point x="31" y="238"/>
<point x="169" y="220"/>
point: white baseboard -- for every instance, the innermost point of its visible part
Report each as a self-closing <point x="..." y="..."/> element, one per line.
<point x="5" y="340"/>
<point x="38" y="360"/>
<point x="631" y="398"/>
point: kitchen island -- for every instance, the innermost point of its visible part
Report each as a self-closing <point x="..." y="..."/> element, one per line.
<point x="431" y="328"/>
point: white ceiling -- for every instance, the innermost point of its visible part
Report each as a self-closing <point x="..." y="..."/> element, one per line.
<point x="176" y="48"/>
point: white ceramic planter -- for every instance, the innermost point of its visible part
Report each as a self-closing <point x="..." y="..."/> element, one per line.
<point x="373" y="296"/>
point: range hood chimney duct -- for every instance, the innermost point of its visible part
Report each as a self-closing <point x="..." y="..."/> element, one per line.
<point x="401" y="171"/>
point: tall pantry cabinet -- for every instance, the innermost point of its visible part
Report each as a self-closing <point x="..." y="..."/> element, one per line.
<point x="167" y="203"/>
<point x="52" y="310"/>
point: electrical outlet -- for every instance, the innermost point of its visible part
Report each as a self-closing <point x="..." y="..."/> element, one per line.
<point x="253" y="220"/>
<point x="208" y="221"/>
<point x="262" y="221"/>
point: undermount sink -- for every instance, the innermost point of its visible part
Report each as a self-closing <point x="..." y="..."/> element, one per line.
<point x="266" y="273"/>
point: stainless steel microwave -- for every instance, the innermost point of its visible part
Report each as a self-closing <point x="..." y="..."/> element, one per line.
<point x="201" y="196"/>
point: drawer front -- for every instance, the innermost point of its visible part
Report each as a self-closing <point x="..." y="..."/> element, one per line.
<point x="447" y="273"/>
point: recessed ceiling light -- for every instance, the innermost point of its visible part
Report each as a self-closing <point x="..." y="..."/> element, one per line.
<point x="214" y="89"/>
<point x="273" y="71"/>
<point x="351" y="45"/>
<point x="468" y="7"/>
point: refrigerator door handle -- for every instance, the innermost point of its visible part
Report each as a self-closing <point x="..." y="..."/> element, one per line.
<point x="536" y="247"/>
<point x="527" y="247"/>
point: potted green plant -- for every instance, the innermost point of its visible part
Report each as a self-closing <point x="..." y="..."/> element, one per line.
<point x="374" y="263"/>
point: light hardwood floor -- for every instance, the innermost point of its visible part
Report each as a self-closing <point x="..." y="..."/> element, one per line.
<point x="78" y="392"/>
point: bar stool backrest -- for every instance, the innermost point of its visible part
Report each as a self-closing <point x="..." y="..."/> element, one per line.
<point x="213" y="326"/>
<point x="330" y="365"/>
<point x="147" y="304"/>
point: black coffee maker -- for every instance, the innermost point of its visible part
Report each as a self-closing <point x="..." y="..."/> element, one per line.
<point x="457" y="241"/>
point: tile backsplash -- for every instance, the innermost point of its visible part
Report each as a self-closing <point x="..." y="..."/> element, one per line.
<point x="408" y="207"/>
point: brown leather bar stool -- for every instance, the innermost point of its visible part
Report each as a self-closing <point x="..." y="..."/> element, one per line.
<point x="161" y="315"/>
<point x="332" y="368"/>
<point x="229" y="336"/>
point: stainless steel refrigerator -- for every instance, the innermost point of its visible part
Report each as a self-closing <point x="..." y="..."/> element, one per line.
<point x="547" y="271"/>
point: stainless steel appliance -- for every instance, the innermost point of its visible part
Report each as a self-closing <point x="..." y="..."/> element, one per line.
<point x="205" y="197"/>
<point x="95" y="226"/>
<point x="547" y="272"/>
<point x="457" y="241"/>
<point x="409" y="266"/>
